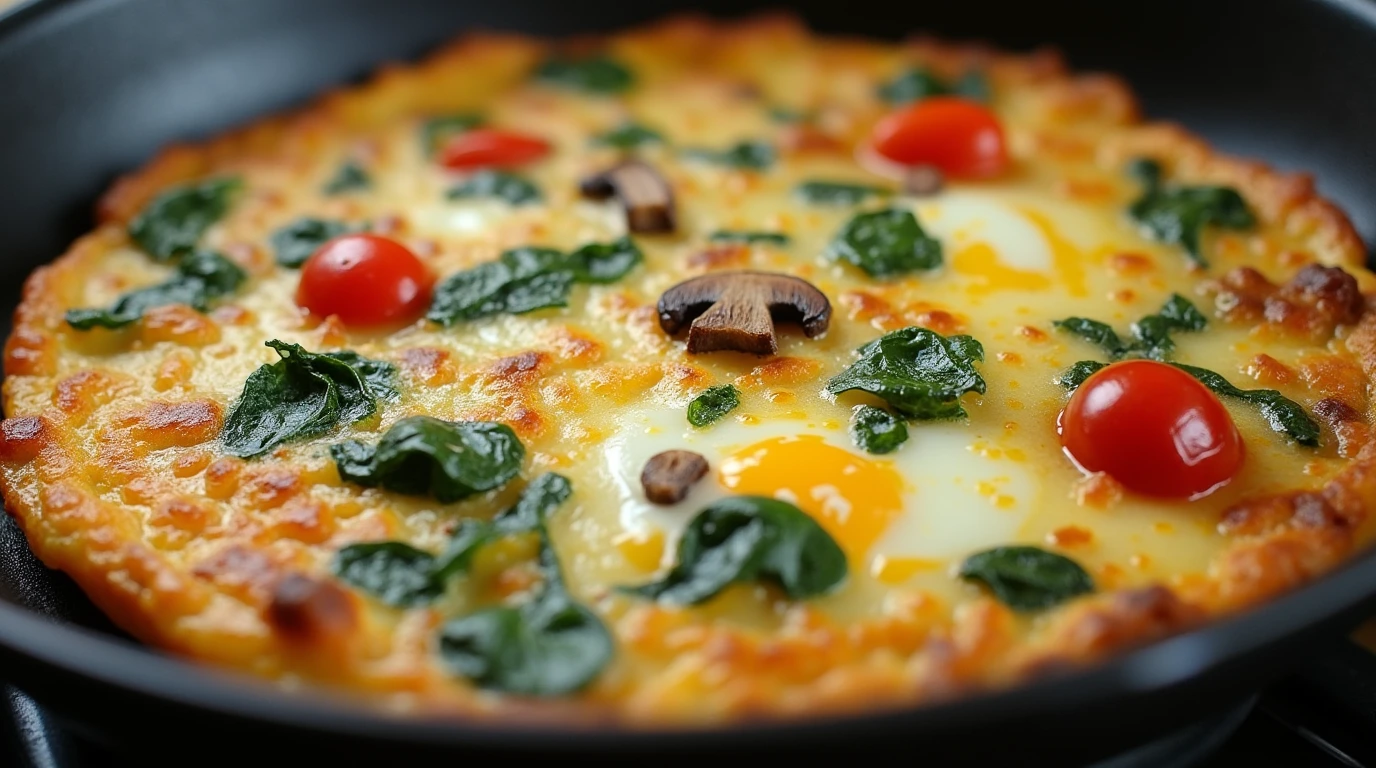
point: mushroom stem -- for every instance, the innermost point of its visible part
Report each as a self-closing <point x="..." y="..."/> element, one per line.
<point x="646" y="196"/>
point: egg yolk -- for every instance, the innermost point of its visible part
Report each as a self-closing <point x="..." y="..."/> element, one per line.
<point x="853" y="498"/>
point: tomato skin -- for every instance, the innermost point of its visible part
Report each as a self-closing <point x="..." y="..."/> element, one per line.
<point x="491" y="148"/>
<point x="365" y="280"/>
<point x="1154" y="429"/>
<point x="963" y="139"/>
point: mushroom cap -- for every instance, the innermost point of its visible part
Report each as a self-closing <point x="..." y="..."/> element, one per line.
<point x="737" y="310"/>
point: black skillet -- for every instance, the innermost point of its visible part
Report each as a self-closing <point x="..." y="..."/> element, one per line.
<point x="91" y="88"/>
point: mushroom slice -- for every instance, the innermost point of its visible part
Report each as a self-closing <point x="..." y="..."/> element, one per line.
<point x="737" y="310"/>
<point x="646" y="196"/>
<point x="669" y="475"/>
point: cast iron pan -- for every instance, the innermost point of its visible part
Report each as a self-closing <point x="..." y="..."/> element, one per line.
<point x="91" y="88"/>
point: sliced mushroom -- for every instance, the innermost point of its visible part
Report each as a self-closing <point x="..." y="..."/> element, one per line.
<point x="646" y="196"/>
<point x="737" y="310"/>
<point x="922" y="180"/>
<point x="668" y="476"/>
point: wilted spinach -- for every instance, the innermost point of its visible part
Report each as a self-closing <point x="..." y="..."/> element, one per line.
<point x="885" y="243"/>
<point x="1072" y="377"/>
<point x="297" y="241"/>
<point x="529" y="278"/>
<point x="837" y="192"/>
<point x="918" y="372"/>
<point x="741" y="236"/>
<point x="425" y="456"/>
<point x="875" y="430"/>
<point x="1027" y="578"/>
<point x="917" y="83"/>
<point x="200" y="277"/>
<point x="1283" y="414"/>
<point x="712" y="404"/>
<point x="172" y="224"/>
<point x="437" y="130"/>
<point x="750" y="539"/>
<point x="350" y="177"/>
<point x="628" y="136"/>
<point x="514" y="189"/>
<point x="753" y="155"/>
<point x="1151" y="334"/>
<point x="300" y="396"/>
<point x="1179" y="214"/>
<point x="594" y="74"/>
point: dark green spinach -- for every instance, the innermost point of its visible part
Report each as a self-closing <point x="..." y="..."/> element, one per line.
<point x="297" y="241"/>
<point x="918" y="372"/>
<point x="593" y="74"/>
<point x="200" y="277"/>
<point x="1178" y="214"/>
<point x="424" y="456"/>
<point x="885" y="243"/>
<point x="172" y="224"/>
<point x="514" y="189"/>
<point x="836" y="192"/>
<point x="753" y="155"/>
<point x="351" y="177"/>
<point x="746" y="539"/>
<point x="875" y="430"/>
<point x="917" y="83"/>
<point x="303" y="395"/>
<point x="628" y="136"/>
<point x="1284" y="415"/>
<point x="740" y="236"/>
<point x="1072" y="377"/>
<point x="1151" y="334"/>
<point x="437" y="130"/>
<point x="1027" y="578"/>
<point x="527" y="279"/>
<point x="712" y="404"/>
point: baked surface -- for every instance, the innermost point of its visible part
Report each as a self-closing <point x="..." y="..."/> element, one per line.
<point x="110" y="455"/>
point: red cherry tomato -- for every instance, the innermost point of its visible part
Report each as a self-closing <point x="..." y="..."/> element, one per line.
<point x="959" y="137"/>
<point x="1153" y="428"/>
<point x="365" y="280"/>
<point x="491" y="148"/>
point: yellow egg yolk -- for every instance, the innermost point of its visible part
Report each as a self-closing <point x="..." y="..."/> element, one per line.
<point x="853" y="498"/>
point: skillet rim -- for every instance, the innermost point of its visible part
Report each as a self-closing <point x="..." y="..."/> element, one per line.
<point x="1174" y="663"/>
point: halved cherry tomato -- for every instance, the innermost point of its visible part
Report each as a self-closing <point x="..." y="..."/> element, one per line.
<point x="961" y="138"/>
<point x="491" y="148"/>
<point x="365" y="280"/>
<point x="1153" y="428"/>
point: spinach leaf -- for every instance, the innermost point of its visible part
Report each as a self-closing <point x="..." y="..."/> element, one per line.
<point x="628" y="136"/>
<point x="604" y="262"/>
<point x="200" y="277"/>
<point x="595" y="74"/>
<point x="1072" y="377"/>
<point x="750" y="539"/>
<point x="918" y="372"/>
<point x="527" y="279"/>
<point x="396" y="573"/>
<point x="1027" y="578"/>
<point x="737" y="236"/>
<point x="379" y="375"/>
<point x="424" y="456"/>
<point x="437" y="130"/>
<point x="712" y="404"/>
<point x="754" y="155"/>
<point x="1178" y="214"/>
<point x="875" y="430"/>
<point x="350" y="177"/>
<point x="514" y="189"/>
<point x="297" y="241"/>
<point x="916" y="83"/>
<point x="1151" y="334"/>
<point x="1283" y="414"/>
<point x="548" y="646"/>
<point x="300" y="396"/>
<point x="836" y="192"/>
<point x="401" y="575"/>
<point x="172" y="225"/>
<point x="885" y="243"/>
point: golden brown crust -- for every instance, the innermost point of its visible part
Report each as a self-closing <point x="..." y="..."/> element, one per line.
<point x="258" y="603"/>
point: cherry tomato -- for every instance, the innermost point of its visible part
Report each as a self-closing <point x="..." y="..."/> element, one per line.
<point x="491" y="148"/>
<point x="1153" y="428"/>
<point x="365" y="280"/>
<point x="961" y="138"/>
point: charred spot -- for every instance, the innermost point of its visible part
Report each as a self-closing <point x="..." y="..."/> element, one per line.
<point x="1331" y="290"/>
<point x="1334" y="411"/>
<point x="270" y="487"/>
<point x="1313" y="303"/>
<point x="1300" y="509"/>
<point x="430" y="365"/>
<point x="21" y="438"/>
<point x="520" y="368"/>
<point x="240" y="571"/>
<point x="304" y="609"/>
